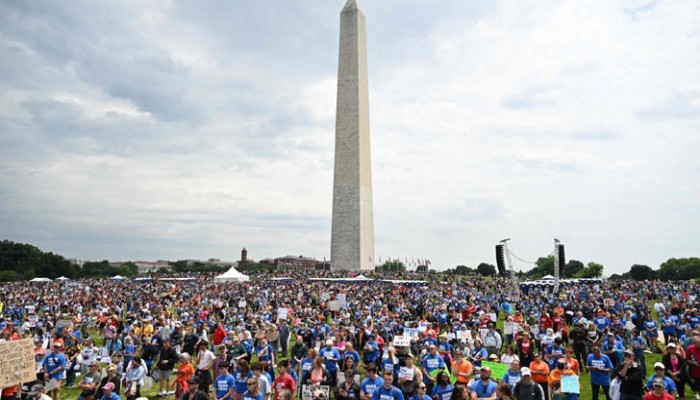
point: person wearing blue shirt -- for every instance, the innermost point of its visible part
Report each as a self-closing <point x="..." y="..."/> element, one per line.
<point x="266" y="353"/>
<point x="668" y="326"/>
<point x="638" y="347"/>
<point x="512" y="376"/>
<point x="420" y="393"/>
<point x="553" y="352"/>
<point x="431" y="362"/>
<point x="613" y="348"/>
<point x="371" y="383"/>
<point x="651" y="331"/>
<point x="601" y="323"/>
<point x="660" y="373"/>
<point x="478" y="353"/>
<point x="484" y="387"/>
<point x="53" y="366"/>
<point x="600" y="366"/>
<point x="443" y="388"/>
<point x="225" y="384"/>
<point x="371" y="350"/>
<point x="386" y="391"/>
<point x="331" y="356"/>
<point x="253" y="390"/>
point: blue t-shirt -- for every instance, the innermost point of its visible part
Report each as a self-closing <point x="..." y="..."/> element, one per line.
<point x="222" y="384"/>
<point x="241" y="381"/>
<point x="382" y="393"/>
<point x="443" y="393"/>
<point x="431" y="363"/>
<point x="388" y="365"/>
<point x="331" y="366"/>
<point x="484" y="389"/>
<point x="601" y="323"/>
<point x="370" y="385"/>
<point x="599" y="377"/>
<point x="669" y="384"/>
<point x="52" y="362"/>
<point x="248" y="396"/>
<point x="511" y="378"/>
<point x="373" y="354"/>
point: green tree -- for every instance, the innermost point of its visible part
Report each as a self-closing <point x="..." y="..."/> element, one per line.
<point x="485" y="269"/>
<point x="680" y="269"/>
<point x="8" y="276"/>
<point x="392" y="266"/>
<point x="593" y="270"/>
<point x="641" y="272"/>
<point x="463" y="270"/>
<point x="571" y="268"/>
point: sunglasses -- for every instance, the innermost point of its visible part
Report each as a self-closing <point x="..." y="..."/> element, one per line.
<point x="251" y="383"/>
<point x="629" y="355"/>
<point x="422" y="387"/>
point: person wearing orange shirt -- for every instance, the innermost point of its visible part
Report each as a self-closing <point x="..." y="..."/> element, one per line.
<point x="461" y="368"/>
<point x="555" y="381"/>
<point x="572" y="362"/>
<point x="540" y="373"/>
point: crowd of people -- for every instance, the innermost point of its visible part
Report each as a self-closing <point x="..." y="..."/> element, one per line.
<point x="404" y="338"/>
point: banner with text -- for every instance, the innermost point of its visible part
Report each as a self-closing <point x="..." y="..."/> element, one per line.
<point x="17" y="362"/>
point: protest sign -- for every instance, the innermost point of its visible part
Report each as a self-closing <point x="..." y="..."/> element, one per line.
<point x="463" y="335"/>
<point x="333" y="305"/>
<point x="62" y="323"/>
<point x="282" y="314"/>
<point x="17" y="362"/>
<point x="609" y="302"/>
<point x="498" y="370"/>
<point x="402" y="341"/>
<point x="493" y="317"/>
<point x="569" y="384"/>
<point x="406" y="373"/>
<point x="33" y="319"/>
<point x="307" y="391"/>
<point x="412" y="333"/>
<point x="343" y="300"/>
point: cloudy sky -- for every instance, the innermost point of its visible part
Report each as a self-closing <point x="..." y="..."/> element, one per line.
<point x="134" y="130"/>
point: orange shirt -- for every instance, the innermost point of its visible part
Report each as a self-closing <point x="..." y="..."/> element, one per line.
<point x="573" y="365"/>
<point x="539" y="366"/>
<point x="465" y="367"/>
<point x="555" y="375"/>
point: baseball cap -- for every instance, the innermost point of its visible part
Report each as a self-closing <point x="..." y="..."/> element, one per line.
<point x="671" y="345"/>
<point x="35" y="389"/>
<point x="659" y="365"/>
<point x="108" y="386"/>
<point x="525" y="371"/>
<point x="485" y="368"/>
<point x="111" y="367"/>
<point x="57" y="344"/>
<point x="658" y="382"/>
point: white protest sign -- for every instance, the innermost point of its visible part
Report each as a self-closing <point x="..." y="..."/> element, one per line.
<point x="402" y="341"/>
<point x="282" y="314"/>
<point x="406" y="373"/>
<point x="343" y="300"/>
<point x="17" y="362"/>
<point x="307" y="391"/>
<point x="333" y="305"/>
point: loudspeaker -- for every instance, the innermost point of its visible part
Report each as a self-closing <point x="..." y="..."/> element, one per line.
<point x="500" y="260"/>
<point x="562" y="259"/>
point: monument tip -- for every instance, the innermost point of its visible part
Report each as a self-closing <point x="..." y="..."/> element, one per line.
<point x="351" y="5"/>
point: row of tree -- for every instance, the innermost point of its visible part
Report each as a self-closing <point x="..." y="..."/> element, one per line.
<point x="673" y="269"/>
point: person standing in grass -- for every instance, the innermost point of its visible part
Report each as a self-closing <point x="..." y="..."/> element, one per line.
<point x="600" y="366"/>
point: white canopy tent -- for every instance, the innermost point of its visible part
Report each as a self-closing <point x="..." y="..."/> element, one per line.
<point x="232" y="275"/>
<point x="62" y="278"/>
<point x="117" y="278"/>
<point x="40" y="280"/>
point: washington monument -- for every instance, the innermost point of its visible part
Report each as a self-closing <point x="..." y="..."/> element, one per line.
<point x="352" y="233"/>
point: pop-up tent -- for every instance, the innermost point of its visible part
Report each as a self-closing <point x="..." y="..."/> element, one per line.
<point x="117" y="278"/>
<point x="40" y="280"/>
<point x="232" y="275"/>
<point x="62" y="278"/>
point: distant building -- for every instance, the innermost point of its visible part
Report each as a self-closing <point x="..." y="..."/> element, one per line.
<point x="293" y="262"/>
<point x="147" y="267"/>
<point x="244" y="256"/>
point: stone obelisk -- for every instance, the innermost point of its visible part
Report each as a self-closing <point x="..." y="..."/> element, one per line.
<point x="352" y="236"/>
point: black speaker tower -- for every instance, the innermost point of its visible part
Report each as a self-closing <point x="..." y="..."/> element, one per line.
<point x="500" y="260"/>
